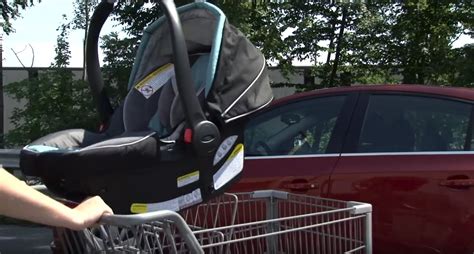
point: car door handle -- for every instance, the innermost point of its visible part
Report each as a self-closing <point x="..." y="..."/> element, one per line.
<point x="458" y="183"/>
<point x="300" y="186"/>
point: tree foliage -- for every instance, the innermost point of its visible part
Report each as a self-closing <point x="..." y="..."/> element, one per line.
<point x="119" y="57"/>
<point x="54" y="99"/>
<point x="11" y="10"/>
<point x="464" y="62"/>
<point x="412" y="39"/>
<point x="372" y="42"/>
<point x="83" y="10"/>
<point x="345" y="42"/>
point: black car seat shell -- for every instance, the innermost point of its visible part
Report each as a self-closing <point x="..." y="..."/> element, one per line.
<point x="147" y="158"/>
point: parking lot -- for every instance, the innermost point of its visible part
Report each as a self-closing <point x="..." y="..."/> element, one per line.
<point x="24" y="239"/>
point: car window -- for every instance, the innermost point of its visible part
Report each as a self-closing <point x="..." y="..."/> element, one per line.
<point x="298" y="128"/>
<point x="402" y="123"/>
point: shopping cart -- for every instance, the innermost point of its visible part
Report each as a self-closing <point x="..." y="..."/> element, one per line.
<point x="265" y="221"/>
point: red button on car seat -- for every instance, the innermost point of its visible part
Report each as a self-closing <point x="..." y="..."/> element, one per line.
<point x="188" y="135"/>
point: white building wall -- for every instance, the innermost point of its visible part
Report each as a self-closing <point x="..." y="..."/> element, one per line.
<point x="10" y="76"/>
<point x="276" y="77"/>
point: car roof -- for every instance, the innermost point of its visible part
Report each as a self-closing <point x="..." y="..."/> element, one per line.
<point x="454" y="92"/>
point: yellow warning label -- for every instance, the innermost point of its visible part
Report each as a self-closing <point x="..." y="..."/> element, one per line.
<point x="155" y="80"/>
<point x="188" y="178"/>
<point x="231" y="168"/>
<point x="139" y="208"/>
<point x="152" y="75"/>
<point x="238" y="148"/>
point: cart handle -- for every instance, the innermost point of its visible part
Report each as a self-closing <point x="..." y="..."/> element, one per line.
<point x="137" y="219"/>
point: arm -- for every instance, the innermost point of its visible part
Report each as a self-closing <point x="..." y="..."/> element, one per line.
<point x="20" y="201"/>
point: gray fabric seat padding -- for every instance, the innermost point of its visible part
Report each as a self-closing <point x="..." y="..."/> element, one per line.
<point x="162" y="112"/>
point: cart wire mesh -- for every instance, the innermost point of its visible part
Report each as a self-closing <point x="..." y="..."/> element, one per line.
<point x="265" y="221"/>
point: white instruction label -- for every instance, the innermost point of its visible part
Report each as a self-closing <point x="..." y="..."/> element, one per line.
<point x="231" y="168"/>
<point x="172" y="205"/>
<point x="155" y="80"/>
<point x="175" y="204"/>
<point x="190" y="199"/>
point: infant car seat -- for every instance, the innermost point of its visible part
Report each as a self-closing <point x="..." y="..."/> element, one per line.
<point x="177" y="139"/>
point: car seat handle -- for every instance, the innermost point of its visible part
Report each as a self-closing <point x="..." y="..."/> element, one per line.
<point x="94" y="74"/>
<point x="205" y="136"/>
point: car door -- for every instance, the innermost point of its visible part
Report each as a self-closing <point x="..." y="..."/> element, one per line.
<point x="295" y="146"/>
<point x="409" y="156"/>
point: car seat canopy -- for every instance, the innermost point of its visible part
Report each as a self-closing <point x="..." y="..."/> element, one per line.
<point x="227" y="69"/>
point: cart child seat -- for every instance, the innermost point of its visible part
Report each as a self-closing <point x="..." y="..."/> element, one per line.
<point x="176" y="140"/>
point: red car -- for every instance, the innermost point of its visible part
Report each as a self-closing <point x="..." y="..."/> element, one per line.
<point x="406" y="149"/>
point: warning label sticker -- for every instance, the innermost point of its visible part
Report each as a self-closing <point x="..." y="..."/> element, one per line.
<point x="175" y="204"/>
<point x="231" y="168"/>
<point x="155" y="80"/>
<point x="188" y="179"/>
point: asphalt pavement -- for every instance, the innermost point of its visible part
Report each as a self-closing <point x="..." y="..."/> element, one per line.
<point x="25" y="239"/>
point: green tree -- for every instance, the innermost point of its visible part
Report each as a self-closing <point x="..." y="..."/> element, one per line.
<point x="314" y="32"/>
<point x="464" y="65"/>
<point x="412" y="39"/>
<point x="423" y="36"/>
<point x="365" y="43"/>
<point x="11" y="10"/>
<point x="119" y="57"/>
<point x="370" y="59"/>
<point x="54" y="100"/>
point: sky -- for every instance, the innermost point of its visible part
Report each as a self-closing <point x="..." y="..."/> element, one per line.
<point x="37" y="27"/>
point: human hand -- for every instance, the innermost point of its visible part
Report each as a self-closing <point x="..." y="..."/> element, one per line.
<point x="89" y="212"/>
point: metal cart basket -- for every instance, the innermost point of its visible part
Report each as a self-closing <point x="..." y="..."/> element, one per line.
<point x="256" y="222"/>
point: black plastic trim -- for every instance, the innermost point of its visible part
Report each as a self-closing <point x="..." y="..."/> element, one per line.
<point x="206" y="136"/>
<point x="341" y="128"/>
<point x="94" y="74"/>
<point x="470" y="127"/>
<point x="352" y="137"/>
